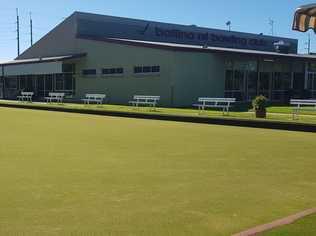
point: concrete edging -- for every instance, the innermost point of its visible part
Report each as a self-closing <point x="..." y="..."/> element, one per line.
<point x="277" y="223"/>
<point x="289" y="126"/>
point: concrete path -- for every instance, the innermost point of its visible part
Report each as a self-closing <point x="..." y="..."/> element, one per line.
<point x="275" y="224"/>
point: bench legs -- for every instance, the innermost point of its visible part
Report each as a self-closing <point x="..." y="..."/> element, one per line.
<point x="201" y="109"/>
<point x="295" y="114"/>
<point x="225" y="110"/>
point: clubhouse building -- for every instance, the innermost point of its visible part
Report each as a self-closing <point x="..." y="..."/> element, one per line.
<point x="121" y="57"/>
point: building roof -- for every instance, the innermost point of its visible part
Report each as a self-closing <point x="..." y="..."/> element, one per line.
<point x="43" y="59"/>
<point x="197" y="48"/>
<point x="102" y="26"/>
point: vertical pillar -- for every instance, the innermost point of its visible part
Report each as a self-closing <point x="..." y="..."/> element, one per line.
<point x="306" y="75"/>
<point x="44" y="85"/>
<point x="258" y="76"/>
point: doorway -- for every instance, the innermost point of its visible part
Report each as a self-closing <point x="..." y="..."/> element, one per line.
<point x="265" y="79"/>
<point x="311" y="84"/>
<point x="1" y="88"/>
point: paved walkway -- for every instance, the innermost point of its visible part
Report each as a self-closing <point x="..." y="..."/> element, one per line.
<point x="281" y="222"/>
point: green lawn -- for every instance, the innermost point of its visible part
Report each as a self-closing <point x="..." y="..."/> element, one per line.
<point x="73" y="174"/>
<point x="274" y="113"/>
<point x="304" y="227"/>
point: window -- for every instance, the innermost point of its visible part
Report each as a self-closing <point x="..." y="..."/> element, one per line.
<point x="68" y="68"/>
<point x="59" y="82"/>
<point x="11" y="83"/>
<point x="89" y="72"/>
<point x="138" y="69"/>
<point x="146" y="69"/>
<point x="113" y="71"/>
<point x="155" y="69"/>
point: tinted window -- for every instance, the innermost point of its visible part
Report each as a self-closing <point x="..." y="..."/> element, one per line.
<point x="89" y="72"/>
<point x="146" y="69"/>
<point x="155" y="69"/>
<point x="138" y="69"/>
<point x="112" y="71"/>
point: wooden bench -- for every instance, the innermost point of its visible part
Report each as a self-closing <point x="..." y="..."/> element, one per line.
<point x="25" y="96"/>
<point x="58" y="97"/>
<point x="302" y="104"/>
<point x="96" y="98"/>
<point x="206" y="102"/>
<point x="145" y="100"/>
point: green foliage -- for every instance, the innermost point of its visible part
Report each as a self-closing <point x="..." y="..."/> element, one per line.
<point x="259" y="103"/>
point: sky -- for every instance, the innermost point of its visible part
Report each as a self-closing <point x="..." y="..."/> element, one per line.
<point x="246" y="16"/>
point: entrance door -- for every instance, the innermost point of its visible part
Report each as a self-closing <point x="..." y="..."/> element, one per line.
<point x="311" y="84"/>
<point x="1" y="88"/>
<point x="252" y="85"/>
<point x="265" y="79"/>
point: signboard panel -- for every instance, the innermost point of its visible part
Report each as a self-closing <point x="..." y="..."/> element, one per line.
<point x="115" y="27"/>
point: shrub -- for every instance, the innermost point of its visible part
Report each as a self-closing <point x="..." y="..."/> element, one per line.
<point x="259" y="103"/>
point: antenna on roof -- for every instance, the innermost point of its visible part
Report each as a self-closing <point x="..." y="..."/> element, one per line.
<point x="271" y="23"/>
<point x="228" y="24"/>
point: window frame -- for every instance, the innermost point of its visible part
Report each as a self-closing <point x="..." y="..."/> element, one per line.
<point x="89" y="75"/>
<point x="149" y="72"/>
<point x="114" y="74"/>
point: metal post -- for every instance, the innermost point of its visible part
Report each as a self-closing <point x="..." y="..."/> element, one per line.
<point x="18" y="30"/>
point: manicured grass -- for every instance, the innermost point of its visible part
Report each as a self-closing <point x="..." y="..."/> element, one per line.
<point x="304" y="227"/>
<point x="73" y="174"/>
<point x="282" y="114"/>
<point x="288" y="110"/>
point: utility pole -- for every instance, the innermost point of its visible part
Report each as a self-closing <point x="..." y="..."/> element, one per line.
<point x="31" y="28"/>
<point x="18" y="30"/>
<point x="309" y="44"/>
<point x="271" y="23"/>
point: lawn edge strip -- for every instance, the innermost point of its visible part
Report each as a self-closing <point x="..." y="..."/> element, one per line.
<point x="277" y="223"/>
<point x="266" y="124"/>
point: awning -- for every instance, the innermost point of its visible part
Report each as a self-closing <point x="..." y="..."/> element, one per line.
<point x="36" y="66"/>
<point x="305" y="18"/>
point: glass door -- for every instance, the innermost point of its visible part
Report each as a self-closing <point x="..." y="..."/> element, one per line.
<point x="1" y="88"/>
<point x="265" y="79"/>
<point x="281" y="84"/>
<point x="252" y="84"/>
<point x="311" y="85"/>
<point x="234" y="84"/>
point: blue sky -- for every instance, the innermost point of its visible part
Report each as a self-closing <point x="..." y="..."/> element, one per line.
<point x="246" y="15"/>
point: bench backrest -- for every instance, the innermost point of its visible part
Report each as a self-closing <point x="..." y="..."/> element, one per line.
<point x="95" y="96"/>
<point x="303" y="102"/>
<point x="147" y="98"/>
<point x="216" y="100"/>
<point x="27" y="93"/>
<point x="58" y="95"/>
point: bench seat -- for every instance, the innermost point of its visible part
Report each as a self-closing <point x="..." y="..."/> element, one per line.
<point x="94" y="98"/>
<point x="302" y="104"/>
<point x="25" y="96"/>
<point x="58" y="97"/>
<point x="145" y="100"/>
<point x="207" y="102"/>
